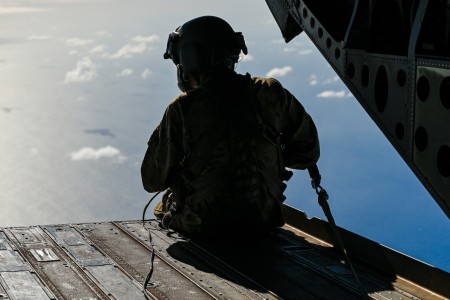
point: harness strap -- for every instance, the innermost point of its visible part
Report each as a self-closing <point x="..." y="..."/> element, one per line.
<point x="322" y="199"/>
<point x="152" y="257"/>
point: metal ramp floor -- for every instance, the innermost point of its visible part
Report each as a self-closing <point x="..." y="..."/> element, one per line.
<point x="109" y="260"/>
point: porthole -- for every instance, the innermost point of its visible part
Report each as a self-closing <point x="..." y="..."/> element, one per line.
<point x="423" y="88"/>
<point x="328" y="43"/>
<point x="399" y="131"/>
<point x="351" y="70"/>
<point x="401" y="78"/>
<point x="337" y="53"/>
<point x="381" y="89"/>
<point x="365" y="76"/>
<point x="443" y="161"/>
<point x="444" y="92"/>
<point x="320" y="32"/>
<point x="421" y="139"/>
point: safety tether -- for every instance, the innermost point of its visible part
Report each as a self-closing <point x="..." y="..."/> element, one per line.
<point x="323" y="202"/>
<point x="152" y="257"/>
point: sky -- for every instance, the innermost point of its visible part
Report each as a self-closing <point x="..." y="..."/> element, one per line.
<point x="83" y="84"/>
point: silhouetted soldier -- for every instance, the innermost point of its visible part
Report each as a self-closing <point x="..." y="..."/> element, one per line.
<point x="223" y="144"/>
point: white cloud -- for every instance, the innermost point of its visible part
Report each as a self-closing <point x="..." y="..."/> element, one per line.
<point x="279" y="72"/>
<point x="20" y="10"/>
<point x="103" y="33"/>
<point x="125" y="72"/>
<point x="247" y="58"/>
<point x="313" y="80"/>
<point x="38" y="37"/>
<point x="77" y="42"/>
<point x="331" y="80"/>
<point x="85" y="70"/>
<point x="279" y="41"/>
<point x="305" y="51"/>
<point x="288" y="49"/>
<point x="332" y="94"/>
<point x="146" y="73"/>
<point x="146" y="39"/>
<point x="137" y="46"/>
<point x="88" y="153"/>
<point x="129" y="49"/>
<point x="98" y="49"/>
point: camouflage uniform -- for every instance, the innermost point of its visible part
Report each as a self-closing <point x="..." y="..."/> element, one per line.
<point x="222" y="149"/>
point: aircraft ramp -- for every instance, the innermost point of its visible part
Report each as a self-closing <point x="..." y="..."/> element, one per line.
<point x="110" y="260"/>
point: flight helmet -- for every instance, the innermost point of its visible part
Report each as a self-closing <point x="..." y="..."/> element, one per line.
<point x="202" y="44"/>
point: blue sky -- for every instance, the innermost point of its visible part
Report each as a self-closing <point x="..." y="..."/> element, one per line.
<point x="83" y="84"/>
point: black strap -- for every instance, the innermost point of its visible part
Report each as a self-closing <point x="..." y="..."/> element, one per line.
<point x="272" y="135"/>
<point x="323" y="202"/>
<point x="152" y="257"/>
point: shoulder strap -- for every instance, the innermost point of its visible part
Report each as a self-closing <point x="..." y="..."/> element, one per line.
<point x="273" y="137"/>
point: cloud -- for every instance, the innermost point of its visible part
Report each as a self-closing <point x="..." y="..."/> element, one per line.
<point x="146" y="73"/>
<point x="247" y="58"/>
<point x="88" y="153"/>
<point x="305" y="51"/>
<point x="98" y="49"/>
<point x="313" y="80"/>
<point x="279" y="72"/>
<point x="125" y="73"/>
<point x="138" y="45"/>
<point x="145" y="39"/>
<point x="77" y="42"/>
<point x="129" y="49"/>
<point x="38" y="38"/>
<point x="101" y="131"/>
<point x="332" y="94"/>
<point x="103" y="33"/>
<point x="20" y="10"/>
<point x="331" y="80"/>
<point x="288" y="49"/>
<point x="279" y="41"/>
<point x="85" y="70"/>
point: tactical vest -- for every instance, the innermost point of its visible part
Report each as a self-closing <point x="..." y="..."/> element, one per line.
<point x="235" y="182"/>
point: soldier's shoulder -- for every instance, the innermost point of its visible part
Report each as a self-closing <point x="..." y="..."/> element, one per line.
<point x="268" y="88"/>
<point x="186" y="97"/>
<point x="266" y="82"/>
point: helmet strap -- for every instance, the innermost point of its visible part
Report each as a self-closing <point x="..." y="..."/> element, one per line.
<point x="183" y="82"/>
